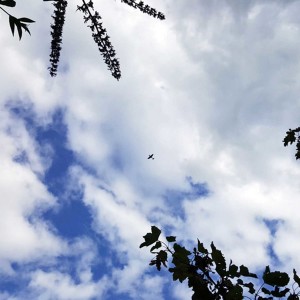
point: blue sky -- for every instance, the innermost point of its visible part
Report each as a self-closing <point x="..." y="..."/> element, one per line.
<point x="210" y="91"/>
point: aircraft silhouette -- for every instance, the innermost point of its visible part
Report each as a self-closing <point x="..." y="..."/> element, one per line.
<point x="151" y="156"/>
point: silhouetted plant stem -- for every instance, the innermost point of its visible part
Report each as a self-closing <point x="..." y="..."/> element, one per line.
<point x="146" y="9"/>
<point x="101" y="38"/>
<point x="5" y="11"/>
<point x="56" y="33"/>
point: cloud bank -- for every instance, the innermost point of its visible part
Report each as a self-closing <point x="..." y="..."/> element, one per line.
<point x="210" y="91"/>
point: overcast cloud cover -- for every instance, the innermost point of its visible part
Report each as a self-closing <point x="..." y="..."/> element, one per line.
<point x="210" y="91"/>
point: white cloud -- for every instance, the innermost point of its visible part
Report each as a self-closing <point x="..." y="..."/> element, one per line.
<point x="24" y="236"/>
<point x="210" y="91"/>
<point x="55" y="285"/>
<point x="181" y="291"/>
<point x="210" y="100"/>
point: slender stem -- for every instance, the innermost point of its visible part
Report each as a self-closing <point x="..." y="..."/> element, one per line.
<point x="167" y="247"/>
<point x="6" y="11"/>
<point x="256" y="294"/>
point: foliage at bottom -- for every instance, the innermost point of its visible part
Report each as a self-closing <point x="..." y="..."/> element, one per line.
<point x="211" y="278"/>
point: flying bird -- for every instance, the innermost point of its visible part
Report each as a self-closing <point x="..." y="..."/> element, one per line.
<point x="151" y="156"/>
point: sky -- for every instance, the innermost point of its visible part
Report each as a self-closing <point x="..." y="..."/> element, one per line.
<point x="210" y="91"/>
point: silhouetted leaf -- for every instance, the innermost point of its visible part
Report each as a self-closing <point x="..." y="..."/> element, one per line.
<point x="245" y="272"/>
<point x="163" y="257"/>
<point x="233" y="271"/>
<point x="12" y="24"/>
<point x="19" y="28"/>
<point x="181" y="263"/>
<point x="180" y="272"/>
<point x="278" y="293"/>
<point x="26" y="20"/>
<point x="250" y="286"/>
<point x="235" y="293"/>
<point x="25" y="27"/>
<point x="266" y="291"/>
<point x="156" y="246"/>
<point x="219" y="259"/>
<point x="181" y="254"/>
<point x="10" y="3"/>
<point x="203" y="263"/>
<point x="201" y="248"/>
<point x="275" y="278"/>
<point x="296" y="277"/>
<point x="151" y="237"/>
<point x="290" y="137"/>
<point x="171" y="239"/>
<point x="200" y="288"/>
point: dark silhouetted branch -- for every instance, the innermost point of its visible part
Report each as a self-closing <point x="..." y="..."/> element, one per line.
<point x="99" y="33"/>
<point x="211" y="277"/>
<point x="56" y="33"/>
<point x="100" y="37"/>
<point x="146" y="9"/>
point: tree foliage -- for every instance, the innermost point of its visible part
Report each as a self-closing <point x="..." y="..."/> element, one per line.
<point x="91" y="17"/>
<point x="293" y="136"/>
<point x="211" y="277"/>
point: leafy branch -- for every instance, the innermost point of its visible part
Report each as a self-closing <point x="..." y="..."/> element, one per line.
<point x="20" y="23"/>
<point x="146" y="9"/>
<point x="56" y="34"/>
<point x="100" y="37"/>
<point x="211" y="278"/>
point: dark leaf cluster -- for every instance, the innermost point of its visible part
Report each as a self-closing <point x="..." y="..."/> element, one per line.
<point x="100" y="37"/>
<point x="9" y="3"/>
<point x="56" y="34"/>
<point x="292" y="136"/>
<point x="20" y="24"/>
<point x="211" y="278"/>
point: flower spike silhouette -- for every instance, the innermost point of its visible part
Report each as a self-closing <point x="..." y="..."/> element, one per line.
<point x="99" y="33"/>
